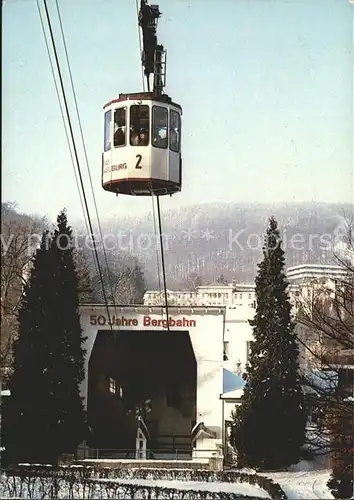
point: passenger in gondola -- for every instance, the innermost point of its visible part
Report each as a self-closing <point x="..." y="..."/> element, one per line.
<point x="119" y="127"/>
<point x="173" y="138"/>
<point x="119" y="137"/>
<point x="143" y="138"/>
<point x="160" y="137"/>
<point x="134" y="137"/>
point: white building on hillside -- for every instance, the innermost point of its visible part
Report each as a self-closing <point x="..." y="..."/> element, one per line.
<point x="302" y="279"/>
<point x="310" y="281"/>
<point x="309" y="272"/>
<point x="206" y="295"/>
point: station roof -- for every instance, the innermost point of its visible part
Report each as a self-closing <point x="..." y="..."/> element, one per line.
<point x="232" y="385"/>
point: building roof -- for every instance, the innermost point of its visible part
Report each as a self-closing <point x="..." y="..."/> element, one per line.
<point x="233" y="395"/>
<point x="315" y="267"/>
<point x="343" y="359"/>
<point x="214" y="285"/>
<point x="201" y="430"/>
<point x="241" y="287"/>
<point x="232" y="382"/>
<point x="314" y="271"/>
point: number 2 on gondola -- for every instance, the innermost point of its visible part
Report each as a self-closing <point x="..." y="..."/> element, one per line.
<point x="138" y="162"/>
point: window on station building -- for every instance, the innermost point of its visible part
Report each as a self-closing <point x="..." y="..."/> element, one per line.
<point x="250" y="296"/>
<point x="226" y="350"/>
<point x="107" y="130"/>
<point x="139" y="125"/>
<point x="159" y="127"/>
<point x="120" y="128"/>
<point x="115" y="388"/>
<point x="175" y="131"/>
<point x="112" y="385"/>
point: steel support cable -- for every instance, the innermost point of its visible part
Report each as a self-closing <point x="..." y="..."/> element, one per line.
<point x="152" y="193"/>
<point x="85" y="152"/>
<point x="156" y="245"/>
<point x="76" y="156"/>
<point x="163" y="260"/>
<point x="63" y="118"/>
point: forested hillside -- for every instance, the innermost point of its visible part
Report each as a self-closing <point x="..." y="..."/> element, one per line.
<point x="208" y="240"/>
<point x="214" y="239"/>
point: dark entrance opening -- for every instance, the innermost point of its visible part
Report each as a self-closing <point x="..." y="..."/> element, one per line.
<point x="155" y="371"/>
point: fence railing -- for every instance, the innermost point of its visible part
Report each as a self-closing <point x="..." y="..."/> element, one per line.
<point x="339" y="360"/>
<point x="167" y="454"/>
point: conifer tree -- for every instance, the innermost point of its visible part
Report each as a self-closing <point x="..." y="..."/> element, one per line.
<point x="269" y="426"/>
<point x="45" y="410"/>
<point x="139" y="282"/>
<point x="340" y="422"/>
<point x="221" y="280"/>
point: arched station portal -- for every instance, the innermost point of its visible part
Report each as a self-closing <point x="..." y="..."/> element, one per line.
<point x="137" y="357"/>
<point x="151" y="371"/>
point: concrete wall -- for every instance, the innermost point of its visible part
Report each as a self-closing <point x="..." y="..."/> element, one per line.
<point x="206" y="330"/>
<point x="238" y="332"/>
<point x="229" y="407"/>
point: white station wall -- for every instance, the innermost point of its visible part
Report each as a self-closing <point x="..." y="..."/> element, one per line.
<point x="206" y="330"/>
<point x="238" y="332"/>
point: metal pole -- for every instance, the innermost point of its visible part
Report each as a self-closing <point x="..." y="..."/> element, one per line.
<point x="2" y="393"/>
<point x="223" y="429"/>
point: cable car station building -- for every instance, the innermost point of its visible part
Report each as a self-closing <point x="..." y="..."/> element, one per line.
<point x="171" y="375"/>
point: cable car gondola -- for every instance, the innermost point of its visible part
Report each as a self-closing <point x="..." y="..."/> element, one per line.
<point x="142" y="145"/>
<point x="142" y="131"/>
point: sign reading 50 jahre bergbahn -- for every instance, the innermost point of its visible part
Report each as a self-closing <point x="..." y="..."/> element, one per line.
<point x="144" y="321"/>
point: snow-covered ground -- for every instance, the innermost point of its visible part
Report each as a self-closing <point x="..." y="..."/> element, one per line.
<point x="306" y="480"/>
<point x="97" y="489"/>
<point x="241" y="488"/>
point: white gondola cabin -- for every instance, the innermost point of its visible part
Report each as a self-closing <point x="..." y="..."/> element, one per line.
<point x="142" y="145"/>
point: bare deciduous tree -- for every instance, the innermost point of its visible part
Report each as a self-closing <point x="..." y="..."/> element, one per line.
<point x="193" y="281"/>
<point x="326" y="333"/>
<point x="20" y="235"/>
<point x="85" y="289"/>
